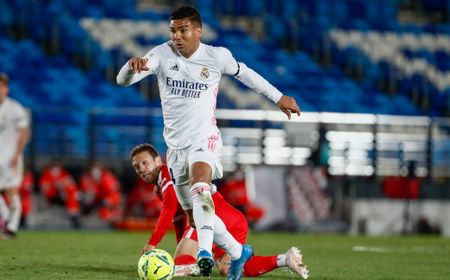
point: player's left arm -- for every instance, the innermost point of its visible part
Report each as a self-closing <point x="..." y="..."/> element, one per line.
<point x="253" y="80"/>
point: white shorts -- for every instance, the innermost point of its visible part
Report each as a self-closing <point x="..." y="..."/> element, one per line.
<point x="11" y="177"/>
<point x="208" y="149"/>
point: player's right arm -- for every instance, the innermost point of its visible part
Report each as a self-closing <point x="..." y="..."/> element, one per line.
<point x="166" y="216"/>
<point x="137" y="68"/>
<point x="253" y="80"/>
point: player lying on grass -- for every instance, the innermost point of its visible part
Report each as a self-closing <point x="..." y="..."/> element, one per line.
<point x="150" y="168"/>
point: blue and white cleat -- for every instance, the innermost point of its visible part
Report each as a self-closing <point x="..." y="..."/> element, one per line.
<point x="237" y="266"/>
<point x="205" y="262"/>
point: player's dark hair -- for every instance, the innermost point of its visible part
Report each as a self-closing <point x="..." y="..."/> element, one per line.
<point x="188" y="12"/>
<point x="4" y="78"/>
<point x="144" y="148"/>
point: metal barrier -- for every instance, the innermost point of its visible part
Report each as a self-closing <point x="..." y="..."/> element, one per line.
<point x="348" y="144"/>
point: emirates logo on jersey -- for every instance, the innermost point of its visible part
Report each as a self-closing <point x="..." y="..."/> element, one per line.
<point x="204" y="74"/>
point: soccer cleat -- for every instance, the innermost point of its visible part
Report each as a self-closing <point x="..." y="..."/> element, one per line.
<point x="237" y="266"/>
<point x="7" y="234"/>
<point x="186" y="270"/>
<point x="295" y="264"/>
<point x="205" y="263"/>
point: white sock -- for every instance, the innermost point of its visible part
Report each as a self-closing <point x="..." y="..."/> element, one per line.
<point x="15" y="210"/>
<point x="4" y="211"/>
<point x="203" y="213"/>
<point x="281" y="260"/>
<point x="224" y="239"/>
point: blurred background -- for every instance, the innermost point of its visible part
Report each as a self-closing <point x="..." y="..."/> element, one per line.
<point x="370" y="153"/>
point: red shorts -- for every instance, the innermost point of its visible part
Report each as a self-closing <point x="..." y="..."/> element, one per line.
<point x="233" y="219"/>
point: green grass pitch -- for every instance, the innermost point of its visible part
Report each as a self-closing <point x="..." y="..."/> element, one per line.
<point x="114" y="255"/>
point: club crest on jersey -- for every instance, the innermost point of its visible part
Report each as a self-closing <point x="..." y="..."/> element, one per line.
<point x="204" y="74"/>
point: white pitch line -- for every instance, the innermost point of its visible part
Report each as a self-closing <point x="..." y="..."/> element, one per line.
<point x="369" y="249"/>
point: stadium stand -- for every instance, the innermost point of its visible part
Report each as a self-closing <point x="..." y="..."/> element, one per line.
<point x="86" y="43"/>
<point x="359" y="37"/>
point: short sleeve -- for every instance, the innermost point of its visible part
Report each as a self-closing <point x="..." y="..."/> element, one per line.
<point x="228" y="64"/>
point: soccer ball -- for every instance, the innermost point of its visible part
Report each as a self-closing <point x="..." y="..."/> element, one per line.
<point x="156" y="264"/>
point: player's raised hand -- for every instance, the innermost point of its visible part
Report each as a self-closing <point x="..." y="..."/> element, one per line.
<point x="138" y="64"/>
<point x="147" y="248"/>
<point x="288" y="105"/>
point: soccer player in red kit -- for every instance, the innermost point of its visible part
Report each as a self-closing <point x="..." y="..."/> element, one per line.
<point x="149" y="166"/>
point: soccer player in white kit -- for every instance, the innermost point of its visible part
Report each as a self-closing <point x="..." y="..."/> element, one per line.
<point x="13" y="138"/>
<point x="189" y="73"/>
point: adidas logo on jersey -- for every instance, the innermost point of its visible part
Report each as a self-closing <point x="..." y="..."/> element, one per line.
<point x="174" y="67"/>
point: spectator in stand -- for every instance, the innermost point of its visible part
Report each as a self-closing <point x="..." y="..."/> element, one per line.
<point x="100" y="190"/>
<point x="143" y="201"/>
<point x="234" y="190"/>
<point x="59" y="187"/>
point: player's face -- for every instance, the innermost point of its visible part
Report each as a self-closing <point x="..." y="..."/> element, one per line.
<point x="147" y="167"/>
<point x="4" y="89"/>
<point x="185" y="36"/>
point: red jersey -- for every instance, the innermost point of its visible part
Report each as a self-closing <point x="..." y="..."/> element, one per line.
<point x="103" y="191"/>
<point x="55" y="182"/>
<point x="171" y="210"/>
<point x="106" y="188"/>
<point x="142" y="195"/>
<point x="235" y="192"/>
<point x="234" y="220"/>
<point x="25" y="191"/>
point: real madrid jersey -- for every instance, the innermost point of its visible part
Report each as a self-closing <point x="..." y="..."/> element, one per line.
<point x="188" y="88"/>
<point x="12" y="117"/>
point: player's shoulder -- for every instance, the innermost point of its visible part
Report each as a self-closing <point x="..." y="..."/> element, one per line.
<point x="13" y="104"/>
<point x="164" y="176"/>
<point x="164" y="49"/>
<point x="216" y="50"/>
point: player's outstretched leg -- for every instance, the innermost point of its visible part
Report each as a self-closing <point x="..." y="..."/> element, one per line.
<point x="205" y="263"/>
<point x="237" y="266"/>
<point x="295" y="264"/>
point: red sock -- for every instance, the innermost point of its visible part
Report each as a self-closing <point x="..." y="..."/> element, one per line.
<point x="185" y="259"/>
<point x="259" y="265"/>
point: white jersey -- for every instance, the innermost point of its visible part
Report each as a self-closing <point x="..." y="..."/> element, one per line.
<point x="12" y="117"/>
<point x="188" y="88"/>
